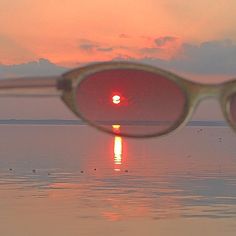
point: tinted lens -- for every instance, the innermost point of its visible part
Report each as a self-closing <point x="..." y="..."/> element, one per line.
<point x="233" y="109"/>
<point x="138" y="102"/>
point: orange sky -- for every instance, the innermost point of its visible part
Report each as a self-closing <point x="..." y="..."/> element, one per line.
<point x="72" y="31"/>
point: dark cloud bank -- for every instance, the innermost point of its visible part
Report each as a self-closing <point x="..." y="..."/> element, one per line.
<point x="208" y="58"/>
<point x="38" y="68"/>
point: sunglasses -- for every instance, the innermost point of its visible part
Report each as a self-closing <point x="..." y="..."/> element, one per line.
<point x="125" y="98"/>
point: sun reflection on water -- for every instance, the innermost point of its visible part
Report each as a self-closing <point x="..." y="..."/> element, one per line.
<point x="117" y="148"/>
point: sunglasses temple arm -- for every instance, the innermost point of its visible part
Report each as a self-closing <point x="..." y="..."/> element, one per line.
<point x="31" y="86"/>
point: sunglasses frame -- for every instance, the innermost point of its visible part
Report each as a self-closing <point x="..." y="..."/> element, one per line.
<point x="194" y="92"/>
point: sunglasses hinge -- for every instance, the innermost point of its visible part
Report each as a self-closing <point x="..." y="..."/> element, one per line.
<point x="65" y="85"/>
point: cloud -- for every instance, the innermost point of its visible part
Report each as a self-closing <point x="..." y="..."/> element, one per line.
<point x="207" y="58"/>
<point x="33" y="68"/>
<point x="162" y="41"/>
<point x="124" y="36"/>
<point x="212" y="57"/>
<point x="161" y="47"/>
<point x="149" y="51"/>
<point x="105" y="49"/>
<point x="87" y="45"/>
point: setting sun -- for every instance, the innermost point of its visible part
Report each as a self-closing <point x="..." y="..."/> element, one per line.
<point x="116" y="99"/>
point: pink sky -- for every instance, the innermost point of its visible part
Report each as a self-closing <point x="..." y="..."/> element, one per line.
<point x="195" y="39"/>
<point x="68" y="32"/>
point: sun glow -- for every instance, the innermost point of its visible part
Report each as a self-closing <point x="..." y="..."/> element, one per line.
<point x="116" y="99"/>
<point x="116" y="129"/>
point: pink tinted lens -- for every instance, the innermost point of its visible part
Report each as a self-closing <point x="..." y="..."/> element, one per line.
<point x="140" y="102"/>
<point x="233" y="109"/>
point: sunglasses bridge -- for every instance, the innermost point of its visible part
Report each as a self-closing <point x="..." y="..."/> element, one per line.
<point x="200" y="91"/>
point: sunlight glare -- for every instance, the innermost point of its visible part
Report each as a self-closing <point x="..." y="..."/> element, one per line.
<point x="116" y="99"/>
<point x="117" y="148"/>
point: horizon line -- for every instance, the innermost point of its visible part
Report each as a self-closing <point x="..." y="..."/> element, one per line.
<point x="194" y="123"/>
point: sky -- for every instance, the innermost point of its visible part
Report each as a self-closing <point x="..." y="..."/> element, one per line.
<point x="193" y="38"/>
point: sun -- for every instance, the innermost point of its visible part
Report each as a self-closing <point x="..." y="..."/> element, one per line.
<point x="116" y="99"/>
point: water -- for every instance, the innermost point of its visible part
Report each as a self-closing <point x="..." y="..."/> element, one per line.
<point x="73" y="180"/>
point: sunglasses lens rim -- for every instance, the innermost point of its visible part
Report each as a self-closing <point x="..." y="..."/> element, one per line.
<point x="227" y="106"/>
<point x="145" y="68"/>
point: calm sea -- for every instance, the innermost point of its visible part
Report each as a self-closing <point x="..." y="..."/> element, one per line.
<point x="68" y="179"/>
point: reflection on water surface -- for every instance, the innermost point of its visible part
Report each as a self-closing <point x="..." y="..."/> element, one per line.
<point x="116" y="186"/>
